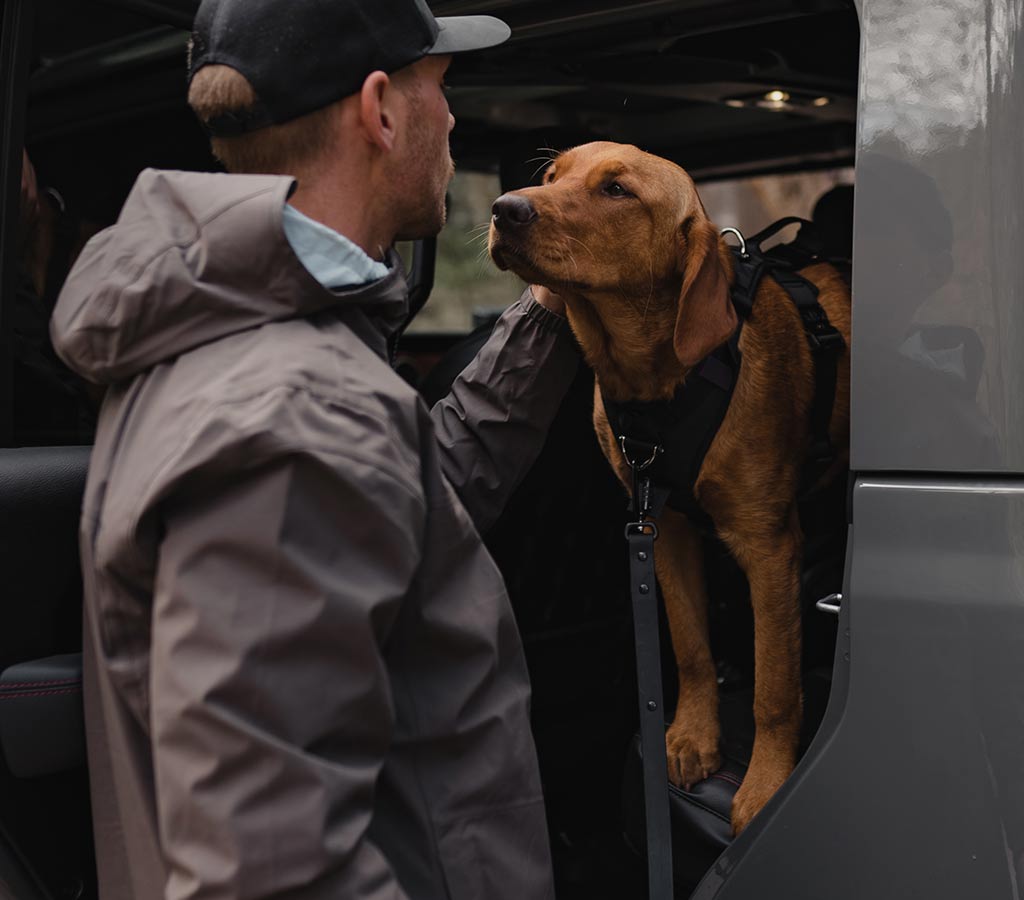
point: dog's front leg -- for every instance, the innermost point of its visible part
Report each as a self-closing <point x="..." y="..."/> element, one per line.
<point x="773" y="569"/>
<point x="692" y="739"/>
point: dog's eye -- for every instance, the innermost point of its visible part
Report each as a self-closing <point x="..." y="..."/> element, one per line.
<point x="614" y="189"/>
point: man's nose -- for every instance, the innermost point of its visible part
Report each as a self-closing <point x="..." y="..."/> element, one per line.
<point x="513" y="211"/>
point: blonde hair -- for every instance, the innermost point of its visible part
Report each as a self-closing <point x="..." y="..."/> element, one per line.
<point x="273" y="150"/>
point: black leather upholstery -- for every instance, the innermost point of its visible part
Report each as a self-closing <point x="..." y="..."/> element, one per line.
<point x="41" y="726"/>
<point x="700" y="817"/>
<point x="41" y="497"/>
<point x="45" y="816"/>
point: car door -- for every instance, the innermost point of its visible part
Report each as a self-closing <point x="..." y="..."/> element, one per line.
<point x="45" y="835"/>
<point x="914" y="786"/>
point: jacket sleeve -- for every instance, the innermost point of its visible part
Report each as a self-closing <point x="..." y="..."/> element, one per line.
<point x="271" y="709"/>
<point x="493" y="423"/>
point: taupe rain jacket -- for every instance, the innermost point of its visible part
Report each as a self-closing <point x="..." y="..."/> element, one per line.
<point x="303" y="676"/>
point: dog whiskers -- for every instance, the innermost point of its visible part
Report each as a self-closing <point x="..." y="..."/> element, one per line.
<point x="584" y="246"/>
<point x="650" y="295"/>
<point x="545" y="161"/>
<point x="539" y="168"/>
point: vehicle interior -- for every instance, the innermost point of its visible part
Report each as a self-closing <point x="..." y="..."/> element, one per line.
<point x="747" y="95"/>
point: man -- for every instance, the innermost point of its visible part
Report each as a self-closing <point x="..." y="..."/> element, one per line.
<point x="303" y="677"/>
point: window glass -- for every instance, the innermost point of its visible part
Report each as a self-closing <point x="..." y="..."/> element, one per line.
<point x="466" y="283"/>
<point x="751" y="204"/>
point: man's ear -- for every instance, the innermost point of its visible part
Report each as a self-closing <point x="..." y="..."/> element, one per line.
<point x="706" y="318"/>
<point x="375" y="110"/>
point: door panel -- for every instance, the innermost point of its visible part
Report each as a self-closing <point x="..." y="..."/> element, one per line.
<point x="913" y="787"/>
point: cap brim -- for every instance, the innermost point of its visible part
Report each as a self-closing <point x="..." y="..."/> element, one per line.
<point x="461" y="34"/>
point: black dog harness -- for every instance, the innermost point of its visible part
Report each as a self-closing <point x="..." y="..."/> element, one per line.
<point x="667" y="440"/>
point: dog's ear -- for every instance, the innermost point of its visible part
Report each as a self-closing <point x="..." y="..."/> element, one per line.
<point x="706" y="318"/>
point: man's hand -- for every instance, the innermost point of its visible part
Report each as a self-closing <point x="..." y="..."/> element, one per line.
<point x="548" y="299"/>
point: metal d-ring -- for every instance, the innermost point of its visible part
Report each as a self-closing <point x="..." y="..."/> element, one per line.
<point x="637" y="467"/>
<point x="739" y="234"/>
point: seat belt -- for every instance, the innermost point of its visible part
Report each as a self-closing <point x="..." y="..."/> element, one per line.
<point x="640" y="536"/>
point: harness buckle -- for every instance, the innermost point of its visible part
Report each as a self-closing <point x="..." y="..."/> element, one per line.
<point x="827" y="340"/>
<point x="821" y="333"/>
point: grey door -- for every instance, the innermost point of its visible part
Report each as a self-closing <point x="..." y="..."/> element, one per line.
<point x="914" y="786"/>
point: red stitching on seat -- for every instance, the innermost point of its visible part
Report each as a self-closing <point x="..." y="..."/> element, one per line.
<point x="12" y="696"/>
<point x="27" y="684"/>
<point x="727" y="777"/>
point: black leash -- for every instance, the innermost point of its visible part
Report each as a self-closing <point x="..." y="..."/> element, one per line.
<point x="641" y="535"/>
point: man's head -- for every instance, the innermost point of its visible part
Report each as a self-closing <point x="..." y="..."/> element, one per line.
<point x="332" y="90"/>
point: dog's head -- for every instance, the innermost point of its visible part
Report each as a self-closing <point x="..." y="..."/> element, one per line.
<point x="612" y="224"/>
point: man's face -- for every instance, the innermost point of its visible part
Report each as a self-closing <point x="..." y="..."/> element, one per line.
<point x="423" y="165"/>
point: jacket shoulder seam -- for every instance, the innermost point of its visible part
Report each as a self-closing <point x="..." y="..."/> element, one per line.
<point x="394" y="476"/>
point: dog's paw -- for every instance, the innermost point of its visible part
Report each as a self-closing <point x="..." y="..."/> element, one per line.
<point x="692" y="757"/>
<point x="757" y="789"/>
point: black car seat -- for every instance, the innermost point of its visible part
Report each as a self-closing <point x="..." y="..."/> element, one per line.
<point x="44" y="815"/>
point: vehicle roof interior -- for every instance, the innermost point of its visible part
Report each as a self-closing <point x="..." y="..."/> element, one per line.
<point x="724" y="87"/>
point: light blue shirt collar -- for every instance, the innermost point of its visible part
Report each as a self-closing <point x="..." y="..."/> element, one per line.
<point x="331" y="258"/>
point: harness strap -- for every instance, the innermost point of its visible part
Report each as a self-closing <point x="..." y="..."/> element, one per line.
<point x="685" y="426"/>
<point x="751" y="265"/>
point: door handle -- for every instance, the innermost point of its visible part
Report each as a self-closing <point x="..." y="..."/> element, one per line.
<point x="830" y="604"/>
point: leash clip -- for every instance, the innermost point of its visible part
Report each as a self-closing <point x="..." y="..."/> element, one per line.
<point x="633" y="464"/>
<point x="641" y="483"/>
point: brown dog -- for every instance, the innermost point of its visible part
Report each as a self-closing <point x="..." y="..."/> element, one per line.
<point x="622" y="236"/>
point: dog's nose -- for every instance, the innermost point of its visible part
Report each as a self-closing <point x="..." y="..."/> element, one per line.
<point x="513" y="210"/>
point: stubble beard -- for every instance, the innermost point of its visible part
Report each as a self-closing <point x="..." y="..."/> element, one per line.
<point x="427" y="217"/>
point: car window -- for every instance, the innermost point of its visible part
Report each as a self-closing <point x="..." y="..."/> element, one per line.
<point x="751" y="204"/>
<point x="468" y="288"/>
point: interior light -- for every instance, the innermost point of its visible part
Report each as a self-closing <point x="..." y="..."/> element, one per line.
<point x="779" y="100"/>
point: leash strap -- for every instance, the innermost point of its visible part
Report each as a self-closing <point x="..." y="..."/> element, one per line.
<point x="640" y="536"/>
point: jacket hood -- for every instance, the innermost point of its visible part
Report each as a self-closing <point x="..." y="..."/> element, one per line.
<point x="192" y="258"/>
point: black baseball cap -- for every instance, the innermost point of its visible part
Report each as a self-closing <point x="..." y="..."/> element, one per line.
<point x="301" y="55"/>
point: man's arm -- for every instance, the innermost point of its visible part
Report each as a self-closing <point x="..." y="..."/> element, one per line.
<point x="271" y="708"/>
<point x="493" y="423"/>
